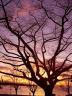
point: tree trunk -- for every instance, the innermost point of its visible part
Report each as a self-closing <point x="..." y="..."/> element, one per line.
<point x="49" y="91"/>
<point x="49" y="94"/>
<point x="33" y="93"/>
<point x="16" y="91"/>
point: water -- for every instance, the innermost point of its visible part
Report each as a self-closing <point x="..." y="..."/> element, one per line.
<point x="23" y="90"/>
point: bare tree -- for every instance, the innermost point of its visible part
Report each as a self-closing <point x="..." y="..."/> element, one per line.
<point x="39" y="41"/>
<point x="68" y="82"/>
<point x="32" y="87"/>
<point x="1" y="80"/>
<point x="10" y="79"/>
<point x="15" y="80"/>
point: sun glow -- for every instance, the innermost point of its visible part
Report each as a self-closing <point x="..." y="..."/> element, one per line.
<point x="59" y="77"/>
<point x="24" y="81"/>
<point x="63" y="83"/>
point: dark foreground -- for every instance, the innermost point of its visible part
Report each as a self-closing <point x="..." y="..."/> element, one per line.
<point x="12" y="95"/>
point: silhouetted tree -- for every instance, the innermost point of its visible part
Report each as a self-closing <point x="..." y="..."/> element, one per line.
<point x="15" y="80"/>
<point x="1" y="80"/>
<point x="67" y="79"/>
<point x="40" y="40"/>
<point x="32" y="87"/>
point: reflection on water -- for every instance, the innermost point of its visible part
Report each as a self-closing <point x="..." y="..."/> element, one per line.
<point x="23" y="90"/>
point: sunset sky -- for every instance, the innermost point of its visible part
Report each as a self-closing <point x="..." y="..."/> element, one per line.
<point x="41" y="30"/>
<point x="22" y="10"/>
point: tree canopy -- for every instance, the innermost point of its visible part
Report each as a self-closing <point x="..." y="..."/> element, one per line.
<point x="37" y="38"/>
